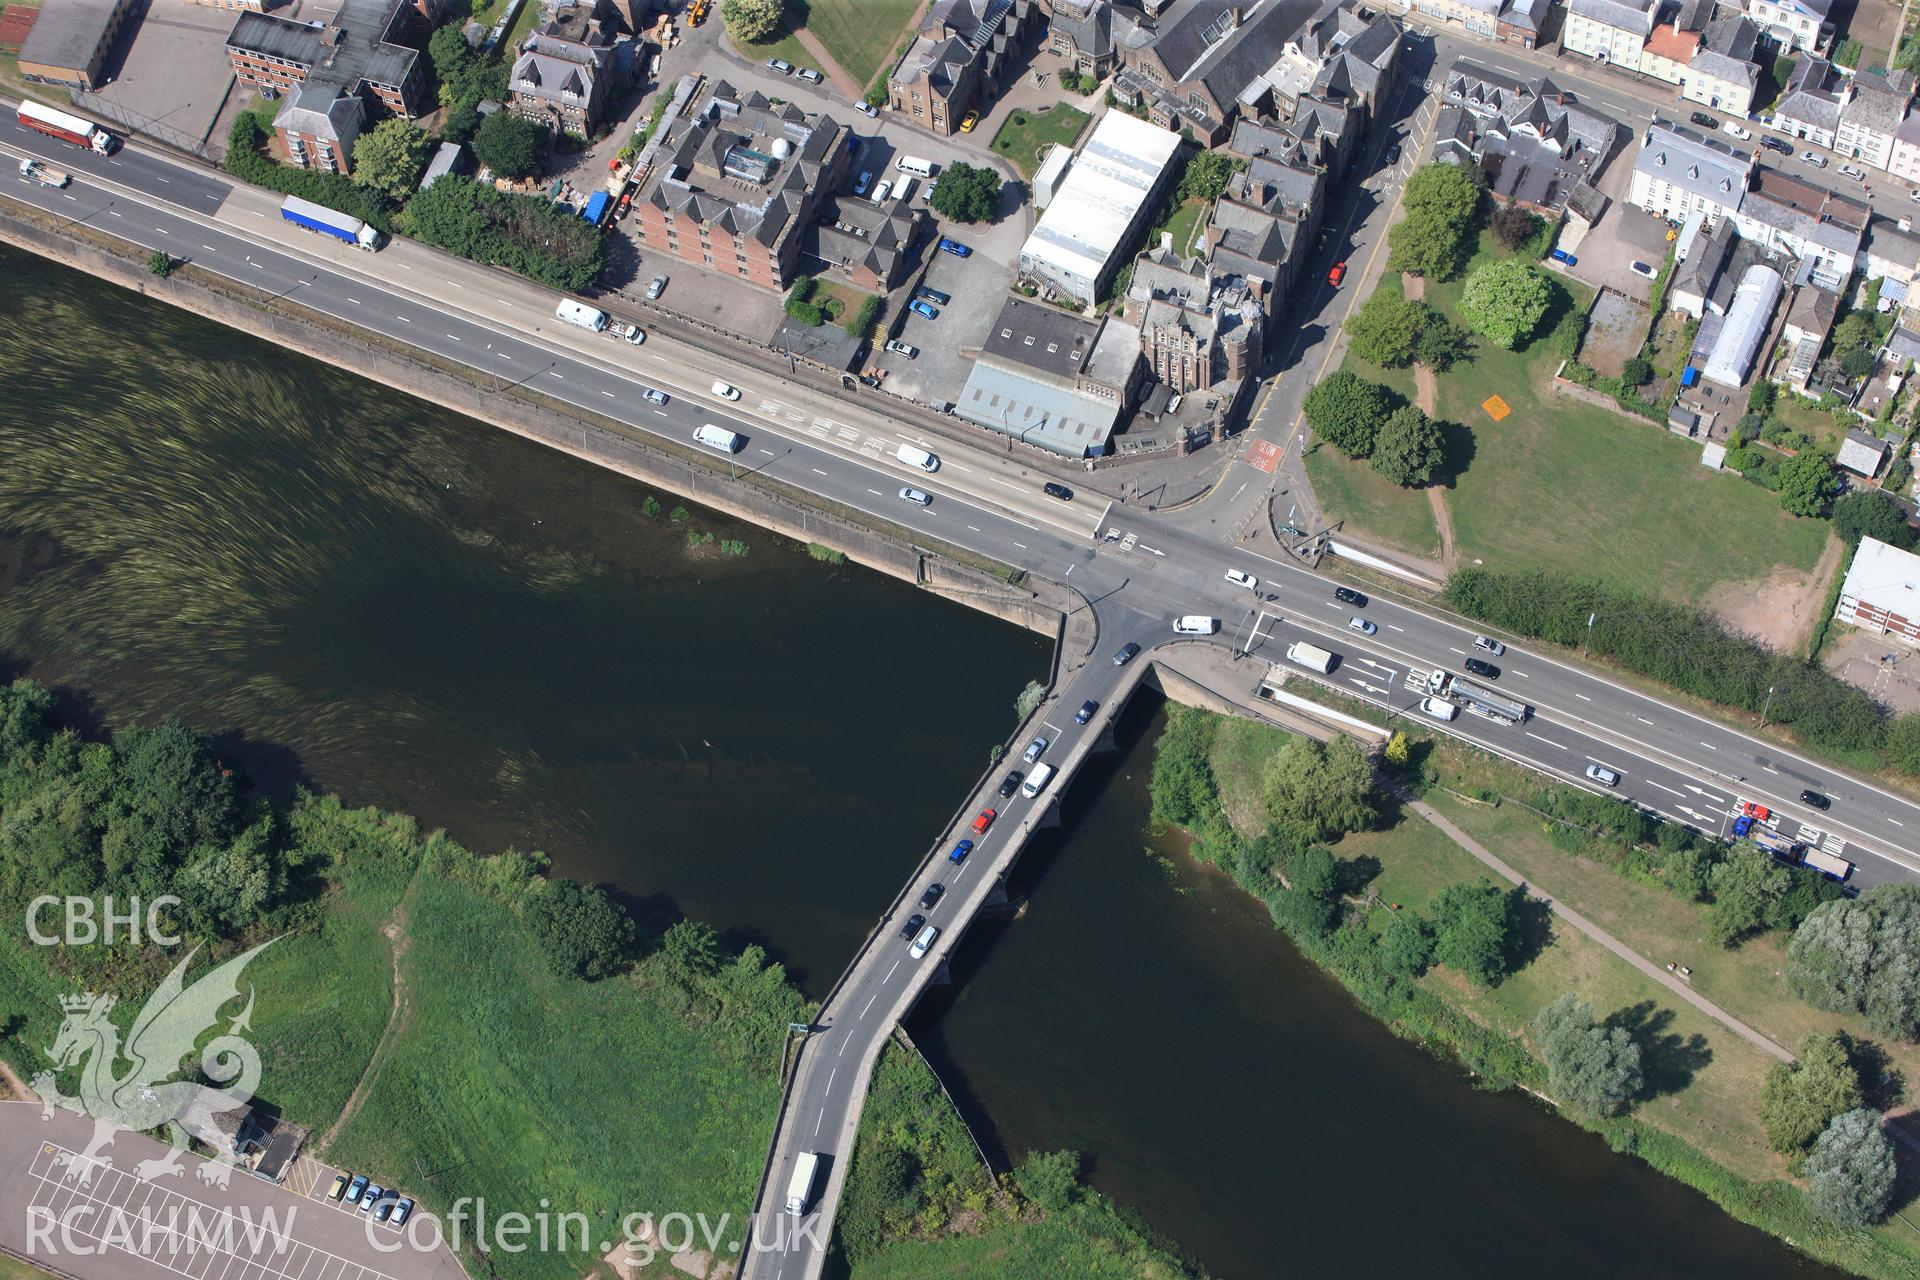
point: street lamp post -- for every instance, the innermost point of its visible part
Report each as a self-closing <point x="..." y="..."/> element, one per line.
<point x="1588" y="642"/>
<point x="1766" y="708"/>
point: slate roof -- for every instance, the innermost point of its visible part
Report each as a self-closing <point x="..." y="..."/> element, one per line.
<point x="1637" y="18"/>
<point x="1695" y="163"/>
<point x="1809" y="98"/>
<point x="1886" y="241"/>
<point x="1233" y="64"/>
<point x="322" y="111"/>
<point x="1189" y="28"/>
<point x="861" y="233"/>
<point x="1877" y="103"/>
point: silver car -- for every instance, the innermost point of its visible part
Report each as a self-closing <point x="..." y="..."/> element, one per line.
<point x="1491" y="645"/>
<point x="916" y="497"/>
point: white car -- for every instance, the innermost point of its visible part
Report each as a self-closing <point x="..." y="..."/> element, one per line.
<point x="1734" y="129"/>
<point x="726" y="392"/>
<point x="881" y="192"/>
<point x="1642" y="269"/>
<point x="1491" y="645"/>
<point x="916" y="497"/>
<point x="866" y="108"/>
<point x="1603" y="775"/>
<point x="1362" y="625"/>
<point x="1239" y="579"/>
<point x="1815" y="159"/>
<point x="1439" y="709"/>
<point x="900" y="348"/>
<point x="1914" y="195"/>
<point x="1853" y="171"/>
<point x="1196" y="624"/>
<point x="923" y="941"/>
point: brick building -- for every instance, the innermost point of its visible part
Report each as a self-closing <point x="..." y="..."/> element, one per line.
<point x="959" y="59"/>
<point x="69" y="41"/>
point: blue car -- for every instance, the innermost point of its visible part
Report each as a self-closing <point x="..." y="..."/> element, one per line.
<point x="955" y="248"/>
<point x="371" y="1196"/>
<point x="354" y="1189"/>
<point x="960" y="851"/>
<point x="402" y="1211"/>
<point x="1085" y="713"/>
<point x="1561" y="255"/>
<point x="920" y="308"/>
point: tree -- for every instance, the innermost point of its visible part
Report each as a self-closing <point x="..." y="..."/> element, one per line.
<point x="1383" y="329"/>
<point x="1409" y="447"/>
<point x="1760" y="399"/>
<point x="391" y="157"/>
<point x="463" y="119"/>
<point x="509" y="145"/>
<point x="1447" y="191"/>
<point x="455" y="62"/>
<point x="1407" y="948"/>
<point x="1856" y="363"/>
<point x="1636" y="372"/>
<point x="1745" y="887"/>
<point x="1594" y="1067"/>
<point x="1440" y="345"/>
<point x="1346" y="410"/>
<point x="1807" y="482"/>
<point x="751" y="21"/>
<point x="1425" y="244"/>
<point x="1862" y="955"/>
<point x="1207" y="175"/>
<point x="1515" y="225"/>
<point x="1505" y="301"/>
<point x="966" y="193"/>
<point x="692" y="949"/>
<point x="1871" y="513"/>
<point x="1903" y="742"/>
<point x="1851" y="1173"/>
<point x="583" y="931"/>
<point x="1470" y="923"/>
<point x="1050" y="1179"/>
<point x="1323" y="790"/>
<point x="1798" y="1102"/>
<point x="161" y="263"/>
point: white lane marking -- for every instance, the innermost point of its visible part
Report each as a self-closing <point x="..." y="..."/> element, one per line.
<point x="817" y="471"/>
<point x="975" y="528"/>
<point x="209" y="248"/>
<point x="454" y="336"/>
<point x="609" y="395"/>
<point x="869" y="1003"/>
<point x="663" y="413"/>
<point x="876" y="493"/>
<point x="768" y="452"/>
<point x="1650" y="782"/>
<point x="505" y="356"/>
<point x="168" y="181"/>
<point x="115" y="212"/>
<point x="401" y="319"/>
<point x="1709" y="746"/>
<point x="1523" y="675"/>
<point x="1643" y="720"/>
<point x="355" y="301"/>
<point x="1021" y="545"/>
<point x="817" y="1120"/>
<point x="163" y="231"/>
<point x="552" y="374"/>
<point x="1583" y="697"/>
<point x="1549" y="741"/>
<point x="1896" y="822"/>
<point x="455" y="284"/>
<point x="830" y="1075"/>
<point x="844" y="1042"/>
<point x="1459" y="651"/>
<point x="1391" y="627"/>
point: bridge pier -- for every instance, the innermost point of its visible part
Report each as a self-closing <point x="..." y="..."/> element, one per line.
<point x="941" y="978"/>
<point x="999" y="905"/>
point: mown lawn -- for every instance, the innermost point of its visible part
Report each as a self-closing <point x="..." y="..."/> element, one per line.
<point x="1376" y="508"/>
<point x="1025" y="135"/>
<point x="860" y="34"/>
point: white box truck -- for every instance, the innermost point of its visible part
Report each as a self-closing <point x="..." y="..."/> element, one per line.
<point x="800" y="1185"/>
<point x="718" y="438"/>
<point x="581" y="314"/>
<point x="1310" y="656"/>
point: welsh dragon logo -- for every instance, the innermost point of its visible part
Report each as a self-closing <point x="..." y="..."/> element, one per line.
<point x="131" y="1086"/>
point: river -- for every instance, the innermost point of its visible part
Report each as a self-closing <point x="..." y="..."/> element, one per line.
<point x="364" y="594"/>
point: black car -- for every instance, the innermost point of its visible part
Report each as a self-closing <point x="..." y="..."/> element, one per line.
<point x="1704" y="120"/>
<point x="931" y="896"/>
<point x="1010" y="784"/>
<point x="1392" y="155"/>
<point x="1086" y="711"/>
<point x="932" y="295"/>
<point x="1815" y="799"/>
<point x="912" y="927"/>
<point x="1126" y="654"/>
<point x="1059" y="491"/>
<point x="1480" y="668"/>
<point x="1781" y="145"/>
<point x="1347" y="595"/>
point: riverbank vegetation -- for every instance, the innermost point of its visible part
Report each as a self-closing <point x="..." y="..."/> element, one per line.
<point x="1416" y="929"/>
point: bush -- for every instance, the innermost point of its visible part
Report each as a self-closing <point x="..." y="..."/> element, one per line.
<point x="1637" y="372"/>
<point x="1851" y="1173"/>
<point x="160" y="263"/>
<point x="581" y="929"/>
<point x="1470" y="923"/>
<point x="1593" y="1067"/>
<point x="865" y="318"/>
<point x="1049" y="1179"/>
<point x="1862" y="955"/>
<point x="1515" y="226"/>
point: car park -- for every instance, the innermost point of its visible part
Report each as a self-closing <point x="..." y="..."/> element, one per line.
<point x="401" y="1212"/>
<point x="1439" y="709"/>
<point x="1781" y="145"/>
<point x="924" y="941"/>
<point x="920" y="308"/>
<point x="1485" y="670"/>
<point x="900" y="348"/>
<point x="1034" y="749"/>
<point x="1347" y="595"/>
<point x="861" y="183"/>
<point x="1815" y="799"/>
<point x="968" y="121"/>
<point x="1240" y="578"/>
<point x="933" y="295"/>
<point x="1736" y="130"/>
<point x="652" y="396"/>
<point x="1562" y="256"/>
<point x="1085" y="713"/>
<point x="1704" y="120"/>
<point x="931" y="895"/>
<point x="960" y="851"/>
<point x="808" y="74"/>
<point x="984" y="819"/>
<point x="358" y="1186"/>
<point x="918" y="497"/>
<point x="911" y="927"/>
<point x="1010" y="784"/>
<point x="1362" y="625"/>
<point x="1126" y="654"/>
<point x="339" y="1187"/>
<point x="955" y="248"/>
<point x="1491" y="645"/>
<point x="781" y="65"/>
<point x="656" y="287"/>
<point x="1814" y="158"/>
<point x="1339" y="273"/>
<point x="1603" y="775"/>
<point x="1642" y="269"/>
<point x="1059" y="491"/>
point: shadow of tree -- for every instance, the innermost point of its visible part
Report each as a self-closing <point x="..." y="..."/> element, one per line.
<point x="1353" y="875"/>
<point x="1668" y="1060"/>
<point x="1529" y="928"/>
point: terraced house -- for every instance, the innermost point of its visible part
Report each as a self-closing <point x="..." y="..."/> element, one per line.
<point x="1714" y="61"/>
<point x="959" y="60"/>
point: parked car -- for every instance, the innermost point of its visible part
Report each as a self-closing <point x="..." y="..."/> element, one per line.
<point x="402" y="1211"/>
<point x="1010" y="784"/>
<point x="656" y="287"/>
<point x="1035" y="749"/>
<point x="1853" y="171"/>
<point x="1704" y="120"/>
<point x="358" y="1186"/>
<point x="1127" y="653"/>
<point x="984" y="819"/>
<point x="1642" y="269"/>
<point x="867" y="109"/>
<point x="881" y="192"/>
<point x="861" y="183"/>
<point x="932" y="295"/>
<point x="1815" y="799"/>
<point x="1242" y="579"/>
<point x="1085" y="713"/>
<point x="1339" y="273"/>
<point x="960" y="851"/>
<point x="1736" y="130"/>
<point x="969" y="120"/>
<point x="1781" y="145"/>
<point x="1561" y="255"/>
<point x="339" y="1187"/>
<point x="931" y="896"/>
<point x="1603" y="775"/>
<point x="900" y="348"/>
<point x="1491" y="645"/>
<point x="654" y="397"/>
<point x="1814" y="158"/>
<point x="911" y="927"/>
<point x="1362" y="625"/>
<point x="372" y="1194"/>
<point x="1485" y="670"/>
<point x="955" y="248"/>
<point x="918" y="497"/>
<point x="781" y="65"/>
<point x="808" y="74"/>
<point x="1391" y="156"/>
<point x="920" y="308"/>
<point x="1059" y="491"/>
<point x="1347" y="595"/>
<point x="384" y="1210"/>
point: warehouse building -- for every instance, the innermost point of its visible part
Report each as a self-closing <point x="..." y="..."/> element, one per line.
<point x="69" y="41"/>
<point x="1882" y="592"/>
<point x="1111" y="187"/>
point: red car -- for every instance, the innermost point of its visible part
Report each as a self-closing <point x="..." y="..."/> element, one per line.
<point x="1758" y="812"/>
<point x="1339" y="273"/>
<point x="982" y="821"/>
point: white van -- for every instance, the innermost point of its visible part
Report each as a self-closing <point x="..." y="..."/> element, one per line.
<point x="581" y="314"/>
<point x="1037" y="780"/>
<point x="914" y="165"/>
<point x="917" y="457"/>
<point x="1440" y="708"/>
<point x="726" y="392"/>
<point x="903" y="190"/>
<point x="719" y="438"/>
<point x="800" y="1185"/>
<point x="1310" y="656"/>
<point x="1195" y="624"/>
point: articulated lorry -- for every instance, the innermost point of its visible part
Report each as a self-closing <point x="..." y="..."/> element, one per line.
<point x="43" y="173"/>
<point x="1794" y="853"/>
<point x="329" y="222"/>
<point x="67" y="127"/>
<point x="1475" y="699"/>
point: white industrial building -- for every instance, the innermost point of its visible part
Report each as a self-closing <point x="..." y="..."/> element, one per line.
<point x="1110" y="188"/>
<point x="1746" y="326"/>
<point x="1882" y="592"/>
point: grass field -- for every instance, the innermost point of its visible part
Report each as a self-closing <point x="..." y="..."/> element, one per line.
<point x="1399" y="519"/>
<point x="860" y="34"/>
<point x="1025" y="135"/>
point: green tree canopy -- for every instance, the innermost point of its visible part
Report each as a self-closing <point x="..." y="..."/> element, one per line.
<point x="1505" y="300"/>
<point x="1470" y="923"/>
<point x="540" y="240"/>
<point x="462" y="122"/>
<point x="390" y="157"/>
<point x="582" y="930"/>
<point x="966" y="193"/>
<point x="510" y="145"/>
<point x="1515" y="225"/>
<point x="1409" y="447"/>
<point x="1746" y="886"/>
<point x="1441" y="344"/>
<point x="1807" y="482"/>
<point x="455" y="62"/>
<point x="1862" y="955"/>
<point x="1383" y="329"/>
<point x="1593" y="1067"/>
<point x="1448" y="191"/>
<point x="1347" y="410"/>
<point x="1435" y="237"/>
<point x="1207" y="174"/>
<point x="751" y="21"/>
<point x="1797" y="1102"/>
<point x="1407" y="947"/>
<point x="1871" y="513"/>
<point x="692" y="949"/>
<point x="1851" y="1173"/>
<point x="1323" y="790"/>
